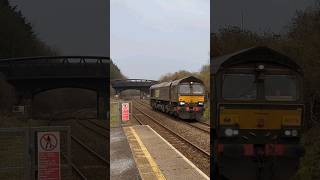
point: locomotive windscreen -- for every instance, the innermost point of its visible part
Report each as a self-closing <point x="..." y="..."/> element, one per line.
<point x="239" y="86"/>
<point x="197" y="89"/>
<point x="244" y="87"/>
<point x="194" y="88"/>
<point x="280" y="88"/>
<point x="184" y="89"/>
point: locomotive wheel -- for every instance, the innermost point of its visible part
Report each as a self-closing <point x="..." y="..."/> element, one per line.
<point x="163" y="108"/>
<point x="166" y="108"/>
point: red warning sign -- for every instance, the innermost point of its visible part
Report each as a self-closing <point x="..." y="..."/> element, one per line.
<point x="125" y="112"/>
<point x="49" y="156"/>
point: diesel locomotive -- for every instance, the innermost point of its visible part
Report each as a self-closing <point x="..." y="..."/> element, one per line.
<point x="183" y="98"/>
<point x="257" y="115"/>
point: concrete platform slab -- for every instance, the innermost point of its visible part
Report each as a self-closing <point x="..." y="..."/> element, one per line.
<point x="122" y="163"/>
<point x="158" y="159"/>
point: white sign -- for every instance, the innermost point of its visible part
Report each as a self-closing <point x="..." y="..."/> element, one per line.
<point x="125" y="111"/>
<point x="49" y="156"/>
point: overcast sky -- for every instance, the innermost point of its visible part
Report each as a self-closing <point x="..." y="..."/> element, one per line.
<point x="259" y="15"/>
<point x="74" y="27"/>
<point x="150" y="38"/>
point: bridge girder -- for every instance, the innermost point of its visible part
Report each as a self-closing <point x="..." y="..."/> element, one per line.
<point x="136" y="84"/>
<point x="33" y="75"/>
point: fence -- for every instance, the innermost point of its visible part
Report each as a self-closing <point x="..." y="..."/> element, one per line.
<point x="18" y="152"/>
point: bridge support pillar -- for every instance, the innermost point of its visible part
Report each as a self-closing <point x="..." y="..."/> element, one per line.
<point x="141" y="94"/>
<point x="28" y="106"/>
<point x="118" y="92"/>
<point x="26" y="99"/>
<point x="102" y="105"/>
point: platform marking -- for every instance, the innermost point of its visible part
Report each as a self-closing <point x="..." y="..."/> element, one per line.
<point x="157" y="172"/>
<point x="153" y="164"/>
<point x="186" y="159"/>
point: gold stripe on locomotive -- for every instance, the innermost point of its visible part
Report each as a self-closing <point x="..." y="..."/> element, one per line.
<point x="191" y="99"/>
<point x="260" y="119"/>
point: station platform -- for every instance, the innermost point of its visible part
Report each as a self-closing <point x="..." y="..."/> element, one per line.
<point x="157" y="159"/>
<point x="122" y="163"/>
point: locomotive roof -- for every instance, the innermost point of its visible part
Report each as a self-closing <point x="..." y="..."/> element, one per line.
<point x="186" y="79"/>
<point x="176" y="82"/>
<point x="163" y="84"/>
<point x="254" y="54"/>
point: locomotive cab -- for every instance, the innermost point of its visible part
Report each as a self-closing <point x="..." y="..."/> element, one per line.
<point x="190" y="99"/>
<point x="258" y="115"/>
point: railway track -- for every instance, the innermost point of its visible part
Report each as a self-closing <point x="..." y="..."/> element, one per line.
<point x="97" y="160"/>
<point x="205" y="127"/>
<point x="92" y="126"/>
<point x="91" y="151"/>
<point x="191" y="150"/>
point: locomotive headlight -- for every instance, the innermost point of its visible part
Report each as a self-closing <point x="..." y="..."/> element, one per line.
<point x="260" y="67"/>
<point x="291" y="132"/>
<point x="182" y="103"/>
<point x="294" y="133"/>
<point x="200" y="103"/>
<point x="228" y="132"/>
<point x="236" y="132"/>
<point x="287" y="132"/>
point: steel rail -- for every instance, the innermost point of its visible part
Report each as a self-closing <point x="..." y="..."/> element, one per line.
<point x="88" y="149"/>
<point x="183" y="122"/>
<point x="90" y="128"/>
<point x="75" y="168"/>
<point x="98" y="125"/>
<point x="172" y="132"/>
<point x="102" y="159"/>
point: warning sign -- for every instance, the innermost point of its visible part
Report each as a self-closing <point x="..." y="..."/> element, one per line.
<point x="48" y="156"/>
<point x="125" y="112"/>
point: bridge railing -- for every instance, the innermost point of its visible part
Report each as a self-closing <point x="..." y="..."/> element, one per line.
<point x="132" y="83"/>
<point x="56" y="59"/>
<point x="60" y="66"/>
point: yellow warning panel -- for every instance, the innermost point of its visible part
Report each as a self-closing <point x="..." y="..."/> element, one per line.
<point x="191" y="99"/>
<point x="146" y="165"/>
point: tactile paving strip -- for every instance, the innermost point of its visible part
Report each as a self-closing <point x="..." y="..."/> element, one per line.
<point x="147" y="167"/>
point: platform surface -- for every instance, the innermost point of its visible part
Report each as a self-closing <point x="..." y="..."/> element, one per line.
<point x="122" y="163"/>
<point x="157" y="159"/>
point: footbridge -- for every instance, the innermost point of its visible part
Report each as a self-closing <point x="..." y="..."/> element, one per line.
<point x="33" y="75"/>
<point x="138" y="84"/>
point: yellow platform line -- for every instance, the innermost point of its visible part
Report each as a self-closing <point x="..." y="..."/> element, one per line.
<point x="153" y="164"/>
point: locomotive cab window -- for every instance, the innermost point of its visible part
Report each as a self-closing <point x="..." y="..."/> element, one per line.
<point x="194" y="88"/>
<point x="239" y="87"/>
<point x="197" y="89"/>
<point x="184" y="89"/>
<point x="280" y="88"/>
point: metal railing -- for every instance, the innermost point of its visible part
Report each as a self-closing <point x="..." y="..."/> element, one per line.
<point x="59" y="66"/>
<point x="56" y="59"/>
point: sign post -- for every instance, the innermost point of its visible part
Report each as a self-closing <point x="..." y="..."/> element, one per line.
<point x="125" y="111"/>
<point x="49" y="156"/>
